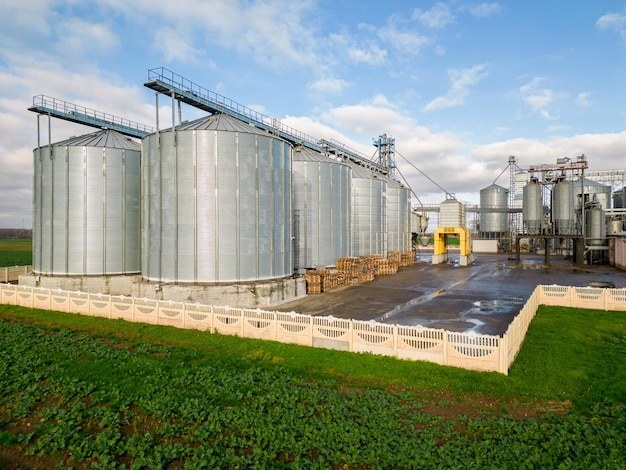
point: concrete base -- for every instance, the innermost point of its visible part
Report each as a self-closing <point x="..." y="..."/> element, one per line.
<point x="442" y="258"/>
<point x="254" y="295"/>
<point x="466" y="260"/>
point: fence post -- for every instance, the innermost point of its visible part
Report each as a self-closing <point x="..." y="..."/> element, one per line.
<point x="504" y="353"/>
<point x="445" y="348"/>
<point x="351" y="335"/>
<point x="395" y="340"/>
<point x="275" y="325"/>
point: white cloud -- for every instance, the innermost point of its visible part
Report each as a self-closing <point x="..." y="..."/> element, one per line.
<point x="613" y="22"/>
<point x="405" y="41"/>
<point x="74" y="34"/>
<point x="461" y="81"/>
<point x="538" y="97"/>
<point x="485" y="10"/>
<point x="582" y="100"/>
<point x="175" y="46"/>
<point x="328" y="85"/>
<point x="371" y="55"/>
<point x="439" y="16"/>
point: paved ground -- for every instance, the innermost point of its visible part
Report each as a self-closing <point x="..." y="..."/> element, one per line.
<point x="483" y="297"/>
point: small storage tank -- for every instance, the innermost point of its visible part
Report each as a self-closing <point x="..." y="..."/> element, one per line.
<point x="321" y="199"/>
<point x="369" y="218"/>
<point x="86" y="206"/>
<point x="595" y="225"/>
<point x="614" y="226"/>
<point x="494" y="224"/>
<point x="563" y="215"/>
<point x="216" y="203"/>
<point x="398" y="216"/>
<point x="532" y="207"/>
<point x="451" y="214"/>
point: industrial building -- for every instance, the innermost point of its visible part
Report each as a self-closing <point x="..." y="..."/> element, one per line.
<point x="231" y="208"/>
<point x="235" y="208"/>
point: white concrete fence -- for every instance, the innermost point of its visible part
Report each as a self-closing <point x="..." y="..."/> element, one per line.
<point x="466" y="350"/>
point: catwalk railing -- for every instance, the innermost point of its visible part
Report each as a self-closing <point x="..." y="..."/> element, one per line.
<point x="466" y="350"/>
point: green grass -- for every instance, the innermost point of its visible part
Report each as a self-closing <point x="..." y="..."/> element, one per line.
<point x="16" y="252"/>
<point x="568" y="355"/>
<point x="86" y="392"/>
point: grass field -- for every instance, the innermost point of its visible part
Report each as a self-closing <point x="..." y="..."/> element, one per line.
<point x="93" y="393"/>
<point x="16" y="252"/>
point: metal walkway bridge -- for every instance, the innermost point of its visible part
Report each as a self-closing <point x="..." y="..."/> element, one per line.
<point x="46" y="105"/>
<point x="171" y="84"/>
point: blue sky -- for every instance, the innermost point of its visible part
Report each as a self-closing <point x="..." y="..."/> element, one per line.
<point x="460" y="85"/>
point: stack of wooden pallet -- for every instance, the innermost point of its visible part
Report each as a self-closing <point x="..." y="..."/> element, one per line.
<point x="314" y="280"/>
<point x="385" y="267"/>
<point x="408" y="258"/>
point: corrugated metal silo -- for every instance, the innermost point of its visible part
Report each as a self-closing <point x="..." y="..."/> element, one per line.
<point x="86" y="206"/>
<point x="494" y="224"/>
<point x="217" y="203"/>
<point x="321" y="199"/>
<point x="532" y="207"/>
<point x="369" y="218"/>
<point x="563" y="208"/>
<point x="398" y="216"/>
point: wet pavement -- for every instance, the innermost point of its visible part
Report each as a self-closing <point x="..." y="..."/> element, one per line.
<point x="483" y="297"/>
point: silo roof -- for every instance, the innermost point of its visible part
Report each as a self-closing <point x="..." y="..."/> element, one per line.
<point x="105" y="138"/>
<point x="220" y="122"/>
<point x="305" y="154"/>
<point x="494" y="186"/>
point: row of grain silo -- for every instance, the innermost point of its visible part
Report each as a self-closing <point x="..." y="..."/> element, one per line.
<point x="215" y="201"/>
<point x="558" y="207"/>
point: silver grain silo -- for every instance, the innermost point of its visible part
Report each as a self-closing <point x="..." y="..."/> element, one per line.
<point x="532" y="207"/>
<point x="86" y="206"/>
<point x="494" y="224"/>
<point x="216" y="203"/>
<point x="451" y="214"/>
<point x="321" y="199"/>
<point x="563" y="215"/>
<point x="398" y="216"/>
<point x="369" y="206"/>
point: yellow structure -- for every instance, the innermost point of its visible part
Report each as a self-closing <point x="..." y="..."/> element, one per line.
<point x="440" y="254"/>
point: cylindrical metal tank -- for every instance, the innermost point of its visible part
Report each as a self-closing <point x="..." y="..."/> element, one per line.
<point x="532" y="207"/>
<point x="369" y="213"/>
<point x="451" y="214"/>
<point x="593" y="192"/>
<point x="614" y="226"/>
<point x="595" y="225"/>
<point x="216" y="203"/>
<point x="398" y="216"/>
<point x="86" y="206"/>
<point x="321" y="199"/>
<point x="563" y="215"/>
<point x="494" y="224"/>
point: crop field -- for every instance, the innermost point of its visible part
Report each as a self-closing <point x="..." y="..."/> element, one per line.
<point x="81" y="392"/>
<point x="16" y="252"/>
